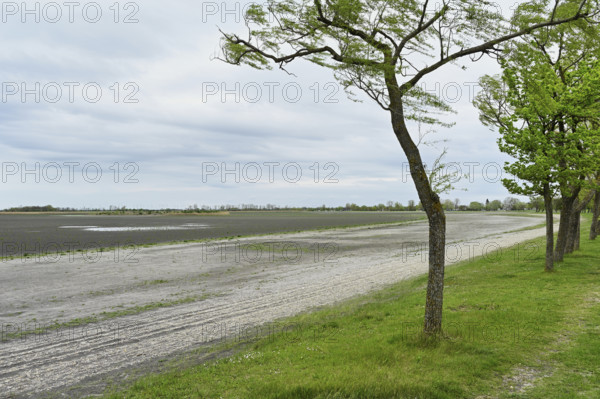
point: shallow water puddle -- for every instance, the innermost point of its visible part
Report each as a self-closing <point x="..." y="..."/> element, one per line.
<point x="187" y="226"/>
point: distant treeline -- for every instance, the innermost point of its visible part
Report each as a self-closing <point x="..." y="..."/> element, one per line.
<point x="47" y="208"/>
<point x="509" y="204"/>
<point x="110" y="211"/>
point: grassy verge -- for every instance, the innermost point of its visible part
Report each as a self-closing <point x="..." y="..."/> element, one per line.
<point x="511" y="331"/>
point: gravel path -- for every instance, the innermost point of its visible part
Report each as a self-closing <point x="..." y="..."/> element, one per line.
<point x="216" y="290"/>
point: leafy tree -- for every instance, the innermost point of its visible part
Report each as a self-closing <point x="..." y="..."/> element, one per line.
<point x="495" y="205"/>
<point x="476" y="206"/>
<point x="520" y="206"/>
<point x="448" y="205"/>
<point x="509" y="203"/>
<point x="384" y="48"/>
<point x="581" y="125"/>
<point x="456" y="203"/>
<point x="504" y="104"/>
<point x="542" y="106"/>
<point x="536" y="202"/>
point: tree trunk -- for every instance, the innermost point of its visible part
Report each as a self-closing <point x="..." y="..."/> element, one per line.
<point x="549" y="229"/>
<point x="435" y="280"/>
<point x="573" y="233"/>
<point x="595" y="222"/>
<point x="563" y="227"/>
<point x="437" y="223"/>
<point x="573" y="228"/>
<point x="578" y="232"/>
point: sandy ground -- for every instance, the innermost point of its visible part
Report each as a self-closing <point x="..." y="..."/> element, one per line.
<point x="224" y="288"/>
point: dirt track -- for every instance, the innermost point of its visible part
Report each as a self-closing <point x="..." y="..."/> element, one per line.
<point x="223" y="288"/>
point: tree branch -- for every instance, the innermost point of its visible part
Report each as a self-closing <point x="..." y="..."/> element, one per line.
<point x="411" y="83"/>
<point x="290" y="57"/>
<point x="338" y="23"/>
<point x="420" y="28"/>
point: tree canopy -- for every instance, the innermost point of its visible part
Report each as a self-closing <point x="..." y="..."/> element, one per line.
<point x="546" y="108"/>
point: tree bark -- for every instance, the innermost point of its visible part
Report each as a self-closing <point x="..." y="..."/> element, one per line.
<point x="435" y="286"/>
<point x="578" y="233"/>
<point x="595" y="222"/>
<point x="437" y="223"/>
<point x="574" y="232"/>
<point x="563" y="227"/>
<point x="573" y="228"/>
<point x="549" y="228"/>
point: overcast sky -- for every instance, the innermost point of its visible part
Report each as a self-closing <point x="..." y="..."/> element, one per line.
<point x="108" y="103"/>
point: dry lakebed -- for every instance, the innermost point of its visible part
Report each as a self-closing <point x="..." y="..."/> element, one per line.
<point x="73" y="322"/>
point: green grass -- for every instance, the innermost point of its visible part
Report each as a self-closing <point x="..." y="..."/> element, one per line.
<point x="507" y="324"/>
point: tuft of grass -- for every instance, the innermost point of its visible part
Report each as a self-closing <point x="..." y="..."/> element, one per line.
<point x="149" y="306"/>
<point x="10" y="332"/>
<point x="502" y="314"/>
